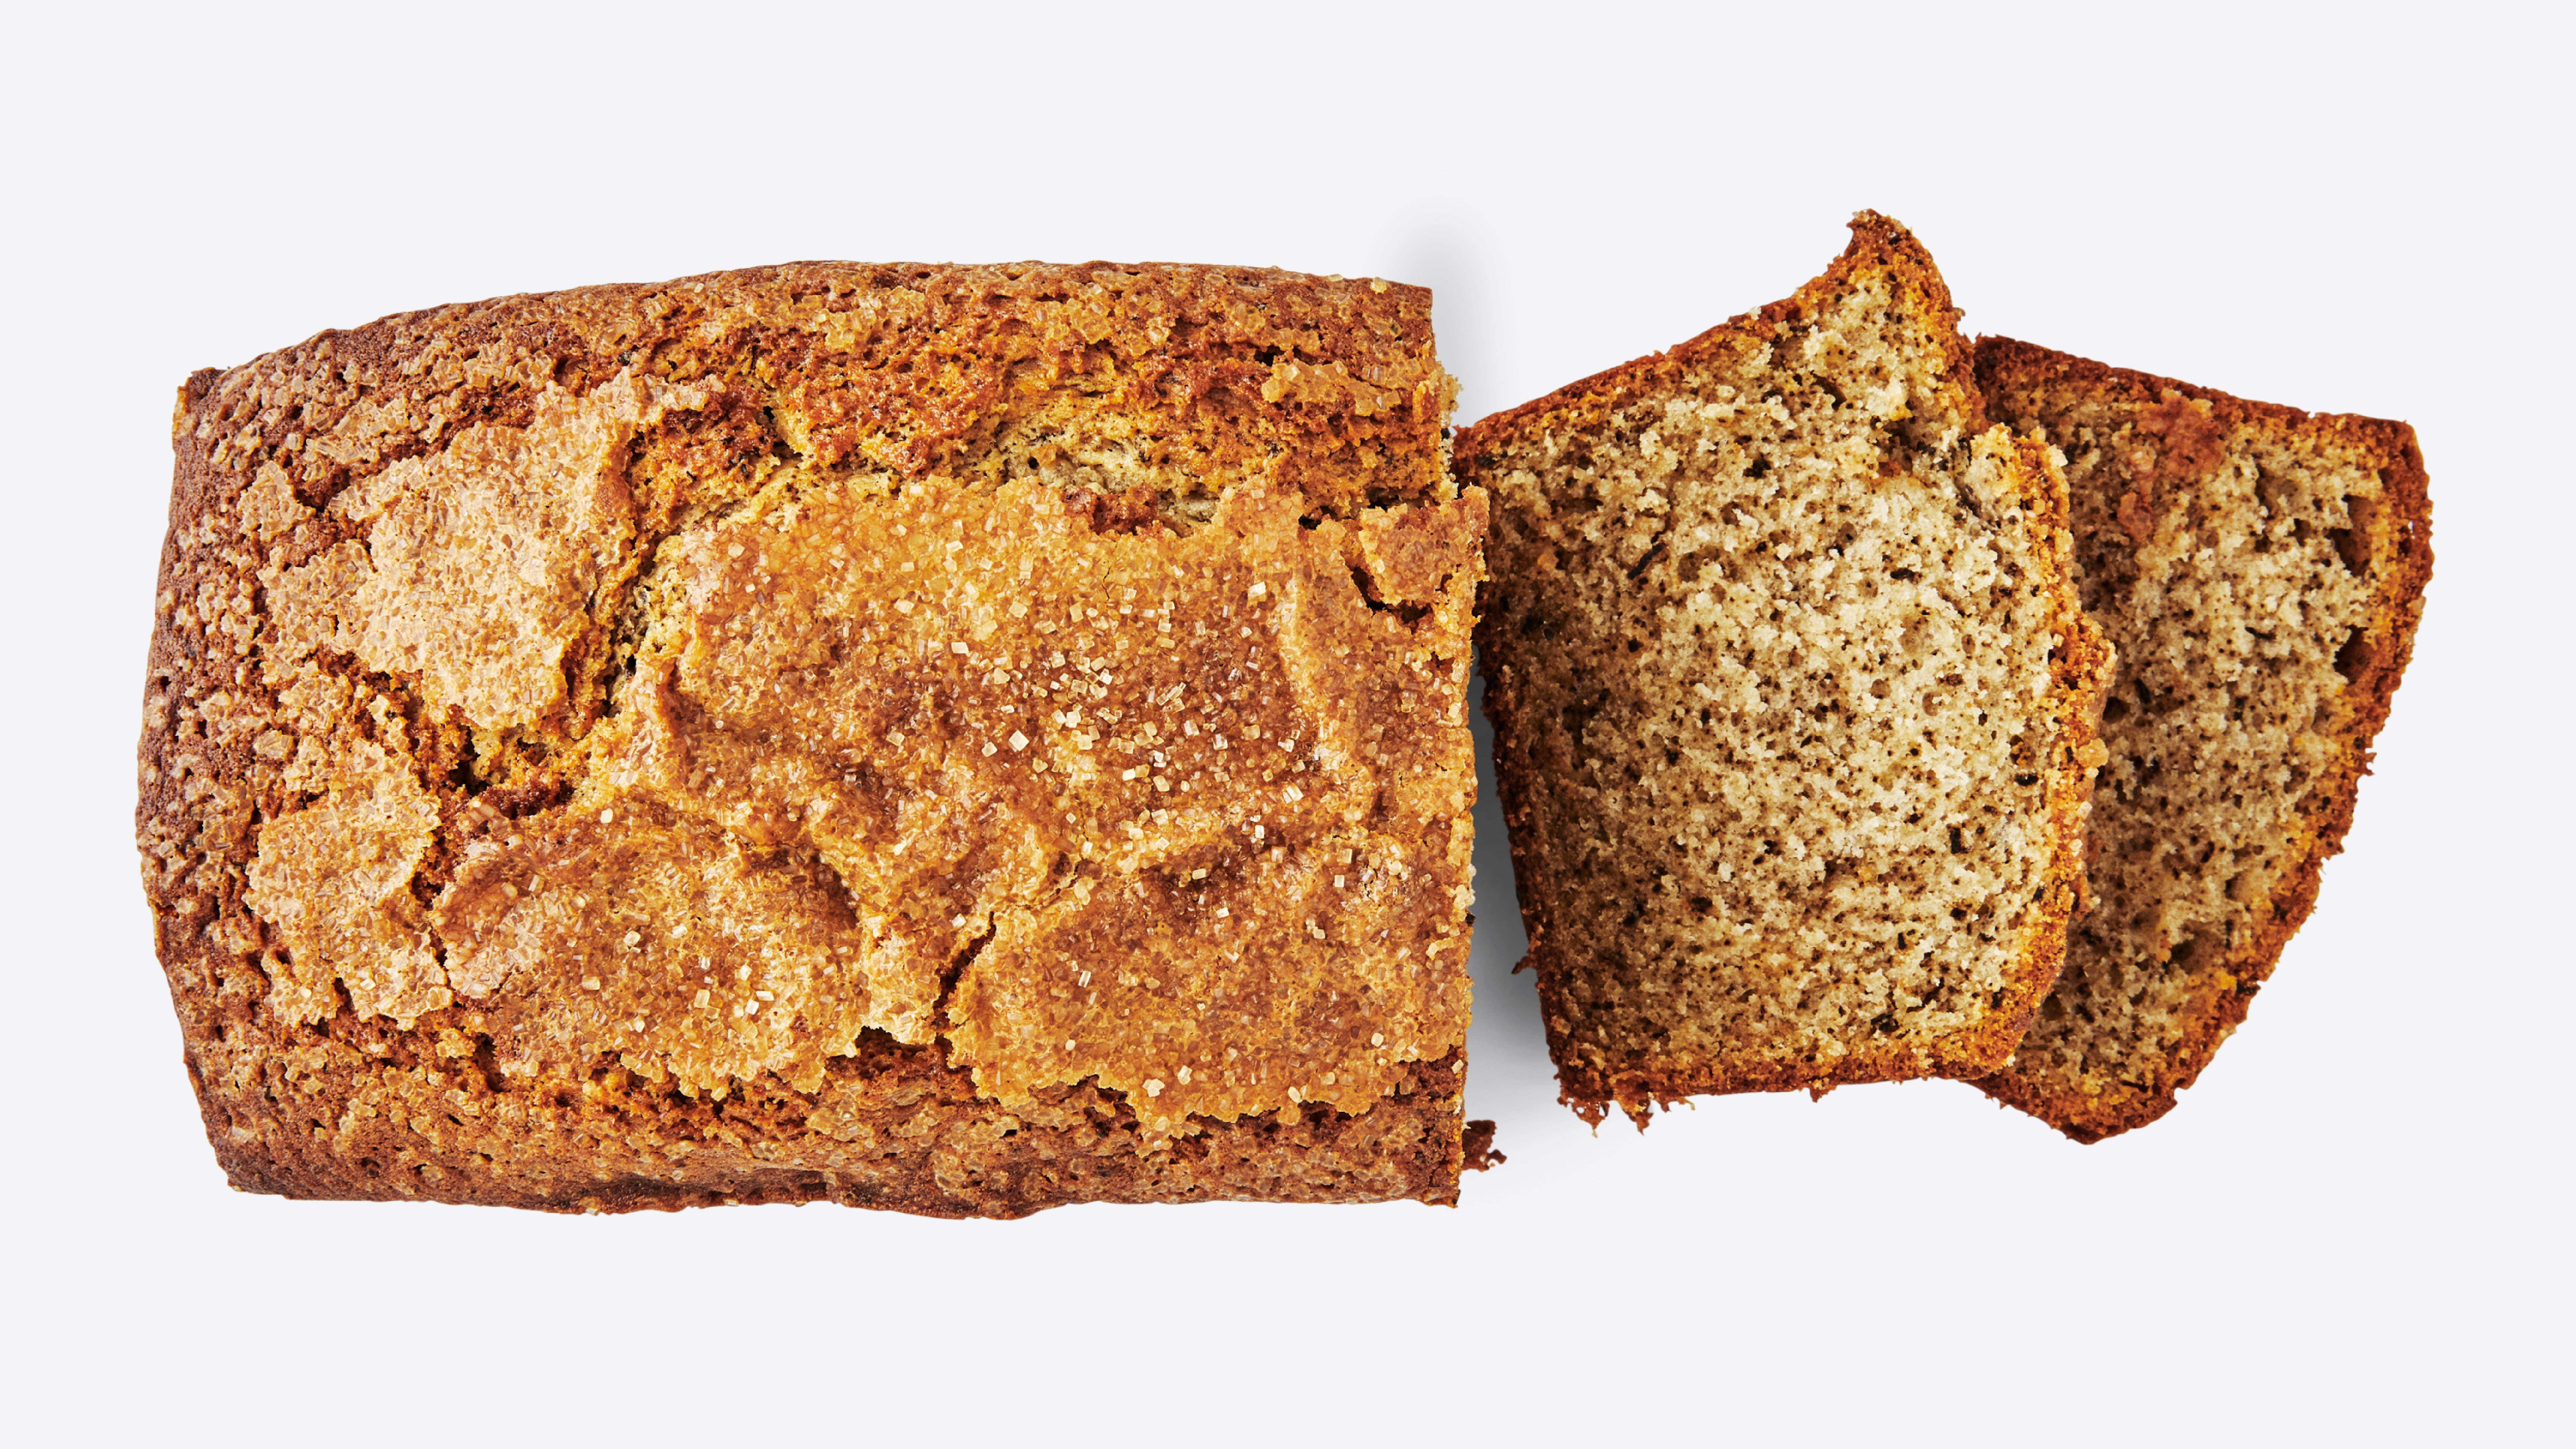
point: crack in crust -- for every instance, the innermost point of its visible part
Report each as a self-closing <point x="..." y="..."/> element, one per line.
<point x="760" y="688"/>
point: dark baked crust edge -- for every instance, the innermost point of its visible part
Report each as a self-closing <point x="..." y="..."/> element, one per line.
<point x="1590" y="399"/>
<point x="2405" y="542"/>
<point x="975" y="1160"/>
<point x="920" y="415"/>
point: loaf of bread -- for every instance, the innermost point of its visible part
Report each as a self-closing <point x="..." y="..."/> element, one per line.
<point x="959" y="740"/>
<point x="1792" y="700"/>
<point x="2260" y="571"/>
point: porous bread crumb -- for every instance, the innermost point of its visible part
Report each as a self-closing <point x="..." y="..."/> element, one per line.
<point x="1791" y="700"/>
<point x="599" y="711"/>
<point x="2261" y="572"/>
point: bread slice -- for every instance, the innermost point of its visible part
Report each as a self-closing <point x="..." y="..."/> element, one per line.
<point x="1792" y="700"/>
<point x="950" y="739"/>
<point x="2261" y="571"/>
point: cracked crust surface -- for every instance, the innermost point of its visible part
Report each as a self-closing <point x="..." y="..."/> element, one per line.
<point x="2261" y="572"/>
<point x="1792" y="700"/>
<point x="951" y="739"/>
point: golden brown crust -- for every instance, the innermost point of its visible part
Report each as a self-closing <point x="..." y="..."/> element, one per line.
<point x="2394" y="554"/>
<point x="574" y="719"/>
<point x="1878" y="242"/>
<point x="1948" y="409"/>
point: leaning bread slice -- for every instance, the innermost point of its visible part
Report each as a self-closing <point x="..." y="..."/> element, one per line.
<point x="2261" y="571"/>
<point x="954" y="739"/>
<point x="1792" y="700"/>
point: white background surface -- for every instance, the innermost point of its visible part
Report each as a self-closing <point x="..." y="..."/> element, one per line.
<point x="2354" y="1229"/>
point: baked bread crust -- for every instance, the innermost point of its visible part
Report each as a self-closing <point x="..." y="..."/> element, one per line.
<point x="956" y="739"/>
<point x="1607" y="1052"/>
<point x="2124" y="1033"/>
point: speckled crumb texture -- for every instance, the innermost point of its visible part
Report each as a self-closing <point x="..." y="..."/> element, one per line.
<point x="2261" y="572"/>
<point x="954" y="739"/>
<point x="1792" y="699"/>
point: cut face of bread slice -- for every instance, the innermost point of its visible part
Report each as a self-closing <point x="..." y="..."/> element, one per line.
<point x="951" y="739"/>
<point x="1792" y="700"/>
<point x="2261" y="571"/>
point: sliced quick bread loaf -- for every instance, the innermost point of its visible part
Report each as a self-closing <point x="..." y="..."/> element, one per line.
<point x="1792" y="700"/>
<point x="955" y="739"/>
<point x="2261" y="571"/>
